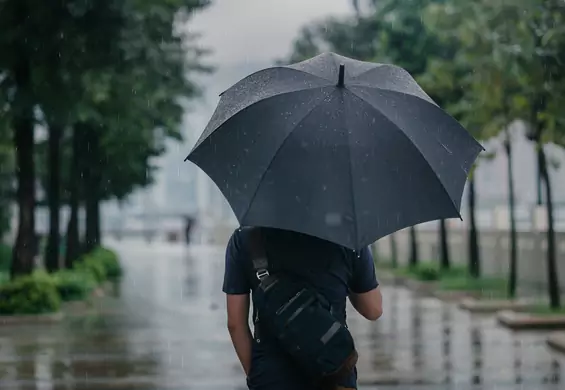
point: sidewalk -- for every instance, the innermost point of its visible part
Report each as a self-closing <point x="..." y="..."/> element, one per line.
<point x="167" y="331"/>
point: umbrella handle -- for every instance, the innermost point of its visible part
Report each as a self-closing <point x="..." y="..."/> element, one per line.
<point x="341" y="79"/>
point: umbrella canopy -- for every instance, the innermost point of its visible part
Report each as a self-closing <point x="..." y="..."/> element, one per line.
<point x="344" y="150"/>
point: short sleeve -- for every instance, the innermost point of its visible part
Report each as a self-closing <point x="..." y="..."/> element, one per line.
<point x="236" y="280"/>
<point x="363" y="278"/>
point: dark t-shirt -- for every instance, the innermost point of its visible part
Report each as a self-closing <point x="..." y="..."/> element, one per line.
<point x="332" y="270"/>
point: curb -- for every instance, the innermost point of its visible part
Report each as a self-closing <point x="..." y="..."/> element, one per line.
<point x="474" y="305"/>
<point x="393" y="379"/>
<point x="31" y="319"/>
<point x="525" y="321"/>
<point x="557" y="341"/>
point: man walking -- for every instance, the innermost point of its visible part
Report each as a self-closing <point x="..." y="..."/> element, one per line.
<point x="331" y="270"/>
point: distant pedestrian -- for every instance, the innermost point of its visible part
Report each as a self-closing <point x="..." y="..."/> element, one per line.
<point x="188" y="225"/>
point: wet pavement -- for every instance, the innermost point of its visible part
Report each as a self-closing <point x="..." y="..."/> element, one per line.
<point x="167" y="331"/>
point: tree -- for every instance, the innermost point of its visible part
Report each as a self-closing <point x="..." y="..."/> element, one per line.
<point x="44" y="51"/>
<point x="16" y="64"/>
<point x="516" y="50"/>
<point x="70" y="30"/>
<point x="444" y="246"/>
<point x="541" y="39"/>
<point x="474" y="248"/>
<point x="404" y="39"/>
<point x="32" y="47"/>
<point x="488" y="76"/>
<point x="141" y="113"/>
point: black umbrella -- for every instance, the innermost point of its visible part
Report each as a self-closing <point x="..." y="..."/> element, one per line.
<point x="344" y="150"/>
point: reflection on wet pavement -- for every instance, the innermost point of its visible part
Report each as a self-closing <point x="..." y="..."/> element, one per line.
<point x="167" y="331"/>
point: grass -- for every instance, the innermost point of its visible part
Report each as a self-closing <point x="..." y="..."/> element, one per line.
<point x="544" y="310"/>
<point x="424" y="271"/>
<point x="454" y="279"/>
<point x="487" y="287"/>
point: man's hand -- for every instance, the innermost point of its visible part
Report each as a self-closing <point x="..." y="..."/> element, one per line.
<point x="238" y="326"/>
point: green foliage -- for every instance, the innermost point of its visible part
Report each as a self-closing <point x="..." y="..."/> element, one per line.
<point x="489" y="287"/>
<point x="91" y="265"/>
<point x="427" y="272"/>
<point x="136" y="100"/>
<point x="455" y="271"/>
<point x="5" y="262"/>
<point x="101" y="263"/>
<point x="544" y="310"/>
<point x="424" y="271"/>
<point x="74" y="285"/>
<point x="42" y="293"/>
<point x="121" y="70"/>
<point x="5" y="257"/>
<point x="109" y="261"/>
<point x="30" y="294"/>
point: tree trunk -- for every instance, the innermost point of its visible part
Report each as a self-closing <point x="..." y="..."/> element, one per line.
<point x="539" y="180"/>
<point x="54" y="198"/>
<point x="552" y="279"/>
<point x="393" y="251"/>
<point x="512" y="277"/>
<point x="444" y="246"/>
<point x="92" y="182"/>
<point x="413" y="260"/>
<point x="75" y="173"/>
<point x="23" y="127"/>
<point x="474" y="253"/>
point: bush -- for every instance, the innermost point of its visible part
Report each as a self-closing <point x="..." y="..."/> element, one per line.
<point x="101" y="263"/>
<point x="31" y="294"/>
<point x="90" y="265"/>
<point x="427" y="272"/>
<point x="109" y="261"/>
<point x="74" y="285"/>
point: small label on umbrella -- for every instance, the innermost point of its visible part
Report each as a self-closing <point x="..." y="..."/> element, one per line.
<point x="333" y="219"/>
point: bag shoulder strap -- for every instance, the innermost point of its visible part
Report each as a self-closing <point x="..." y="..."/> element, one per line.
<point x="258" y="254"/>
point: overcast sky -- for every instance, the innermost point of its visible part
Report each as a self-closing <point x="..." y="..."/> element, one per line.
<point x="247" y="35"/>
<point x="259" y="30"/>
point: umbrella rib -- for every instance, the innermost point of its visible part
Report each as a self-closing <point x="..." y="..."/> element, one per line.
<point x="411" y="96"/>
<point x="273" y="68"/>
<point x="307" y="73"/>
<point x="308" y="113"/>
<point x="378" y="66"/>
<point x="415" y="147"/>
<point x="351" y="183"/>
<point x="202" y="139"/>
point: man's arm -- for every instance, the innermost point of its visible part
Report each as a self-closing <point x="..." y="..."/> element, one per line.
<point x="238" y="326"/>
<point x="369" y="304"/>
<point x="365" y="295"/>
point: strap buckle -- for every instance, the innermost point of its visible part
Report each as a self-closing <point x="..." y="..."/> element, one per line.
<point x="261" y="274"/>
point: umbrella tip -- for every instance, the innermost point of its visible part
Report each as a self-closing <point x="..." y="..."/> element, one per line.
<point x="341" y="79"/>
